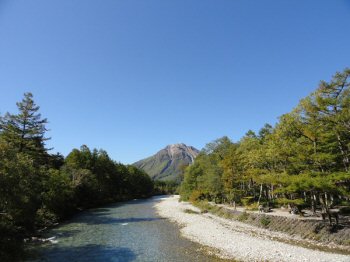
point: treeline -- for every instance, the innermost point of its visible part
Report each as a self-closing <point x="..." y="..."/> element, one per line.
<point x="167" y="187"/>
<point x="302" y="161"/>
<point x="38" y="189"/>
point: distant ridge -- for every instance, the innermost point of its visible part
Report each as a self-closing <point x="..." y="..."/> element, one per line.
<point x="167" y="164"/>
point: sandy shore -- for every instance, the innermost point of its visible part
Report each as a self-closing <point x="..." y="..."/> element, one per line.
<point x="236" y="240"/>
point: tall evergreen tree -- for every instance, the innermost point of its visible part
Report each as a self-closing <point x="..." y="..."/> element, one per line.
<point x="25" y="131"/>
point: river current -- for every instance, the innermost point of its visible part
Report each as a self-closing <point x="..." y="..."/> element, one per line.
<point x="128" y="231"/>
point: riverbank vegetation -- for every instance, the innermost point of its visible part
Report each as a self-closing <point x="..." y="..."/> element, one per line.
<point x="167" y="187"/>
<point x="301" y="162"/>
<point x="38" y="189"/>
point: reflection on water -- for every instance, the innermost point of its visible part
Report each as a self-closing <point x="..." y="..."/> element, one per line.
<point x="130" y="231"/>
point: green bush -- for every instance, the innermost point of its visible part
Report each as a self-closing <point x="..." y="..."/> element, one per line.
<point x="265" y="221"/>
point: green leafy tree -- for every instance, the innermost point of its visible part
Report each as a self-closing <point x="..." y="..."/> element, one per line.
<point x="302" y="161"/>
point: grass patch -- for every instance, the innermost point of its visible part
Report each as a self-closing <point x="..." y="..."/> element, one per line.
<point x="190" y="211"/>
<point x="265" y="221"/>
<point x="346" y="242"/>
<point x="243" y="217"/>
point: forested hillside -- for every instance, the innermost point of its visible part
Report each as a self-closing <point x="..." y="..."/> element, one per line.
<point x="37" y="188"/>
<point x="302" y="161"/>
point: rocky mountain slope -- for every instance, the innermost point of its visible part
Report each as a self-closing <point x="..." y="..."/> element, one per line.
<point x="168" y="163"/>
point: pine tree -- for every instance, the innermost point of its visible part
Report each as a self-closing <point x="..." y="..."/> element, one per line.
<point x="25" y="131"/>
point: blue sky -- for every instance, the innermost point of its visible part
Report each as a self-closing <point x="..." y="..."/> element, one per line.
<point x="133" y="76"/>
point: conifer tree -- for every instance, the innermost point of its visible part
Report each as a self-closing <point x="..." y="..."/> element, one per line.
<point x="25" y="131"/>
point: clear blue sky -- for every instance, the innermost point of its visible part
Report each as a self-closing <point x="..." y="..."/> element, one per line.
<point x="132" y="76"/>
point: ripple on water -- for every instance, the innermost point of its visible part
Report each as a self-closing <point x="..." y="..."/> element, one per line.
<point x="130" y="231"/>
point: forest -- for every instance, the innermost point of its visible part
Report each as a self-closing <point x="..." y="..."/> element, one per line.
<point x="39" y="189"/>
<point x="301" y="162"/>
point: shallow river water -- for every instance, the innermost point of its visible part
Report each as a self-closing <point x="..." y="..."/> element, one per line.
<point x="128" y="231"/>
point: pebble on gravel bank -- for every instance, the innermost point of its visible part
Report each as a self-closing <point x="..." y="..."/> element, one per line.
<point x="231" y="241"/>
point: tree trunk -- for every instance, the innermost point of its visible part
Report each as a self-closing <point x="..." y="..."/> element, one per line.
<point x="313" y="202"/>
<point x="260" y="194"/>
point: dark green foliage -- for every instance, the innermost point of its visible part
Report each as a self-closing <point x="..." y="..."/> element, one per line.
<point x="165" y="187"/>
<point x="38" y="189"/>
<point x="25" y="132"/>
<point x="11" y="240"/>
<point x="56" y="161"/>
<point x="58" y="196"/>
<point x="20" y="188"/>
<point x="138" y="182"/>
<point x="265" y="221"/>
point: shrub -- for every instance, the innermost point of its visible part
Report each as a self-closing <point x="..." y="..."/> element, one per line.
<point x="265" y="221"/>
<point x="195" y="196"/>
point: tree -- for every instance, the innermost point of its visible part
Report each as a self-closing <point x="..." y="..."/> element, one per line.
<point x="332" y="101"/>
<point x="20" y="188"/>
<point x="38" y="189"/>
<point x="25" y="131"/>
<point x="303" y="161"/>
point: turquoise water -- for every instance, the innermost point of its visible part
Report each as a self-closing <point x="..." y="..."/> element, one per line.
<point x="129" y="231"/>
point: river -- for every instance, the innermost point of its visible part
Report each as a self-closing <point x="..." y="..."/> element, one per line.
<point x="128" y="231"/>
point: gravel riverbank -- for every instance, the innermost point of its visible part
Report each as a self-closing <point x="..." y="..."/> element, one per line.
<point x="234" y="239"/>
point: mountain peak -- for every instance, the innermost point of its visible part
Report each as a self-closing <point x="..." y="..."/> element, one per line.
<point x="177" y="149"/>
<point x="176" y="145"/>
<point x="167" y="164"/>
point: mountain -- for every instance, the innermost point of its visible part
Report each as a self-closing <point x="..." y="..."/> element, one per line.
<point x="168" y="163"/>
